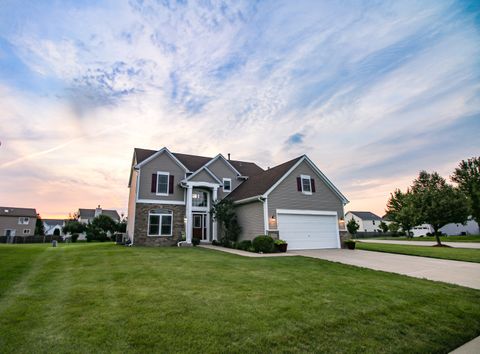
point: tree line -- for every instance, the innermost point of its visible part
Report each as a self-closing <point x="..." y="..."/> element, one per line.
<point x="432" y="200"/>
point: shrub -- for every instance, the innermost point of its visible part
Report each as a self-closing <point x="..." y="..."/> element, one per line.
<point x="216" y="243"/>
<point x="195" y="241"/>
<point x="280" y="242"/>
<point x="74" y="237"/>
<point x="263" y="243"/>
<point x="245" y="245"/>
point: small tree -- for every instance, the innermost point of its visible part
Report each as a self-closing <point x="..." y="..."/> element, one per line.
<point x="401" y="209"/>
<point x="352" y="227"/>
<point x="438" y="203"/>
<point x="383" y="226"/>
<point x="39" y="227"/>
<point x="74" y="228"/>
<point x="224" y="212"/>
<point x="393" y="227"/>
<point x="100" y="227"/>
<point x="467" y="176"/>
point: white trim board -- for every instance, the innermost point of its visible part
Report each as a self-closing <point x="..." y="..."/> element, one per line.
<point x="200" y="170"/>
<point x="307" y="212"/>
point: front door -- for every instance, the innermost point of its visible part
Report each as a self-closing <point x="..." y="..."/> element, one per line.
<point x="200" y="226"/>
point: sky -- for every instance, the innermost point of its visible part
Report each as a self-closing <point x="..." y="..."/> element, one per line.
<point x="372" y="91"/>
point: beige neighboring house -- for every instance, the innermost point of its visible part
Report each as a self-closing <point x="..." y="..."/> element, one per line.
<point x="17" y="221"/>
<point x="171" y="195"/>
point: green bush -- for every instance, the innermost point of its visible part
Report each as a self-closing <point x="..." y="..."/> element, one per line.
<point x="216" y="243"/>
<point x="74" y="237"/>
<point x="195" y="241"/>
<point x="263" y="243"/>
<point x="280" y="242"/>
<point x="245" y="245"/>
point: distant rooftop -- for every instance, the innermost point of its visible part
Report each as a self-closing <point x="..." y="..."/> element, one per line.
<point x="11" y="211"/>
<point x="366" y="215"/>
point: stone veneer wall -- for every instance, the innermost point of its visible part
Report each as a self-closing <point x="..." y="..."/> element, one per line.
<point x="141" y="225"/>
<point x="344" y="235"/>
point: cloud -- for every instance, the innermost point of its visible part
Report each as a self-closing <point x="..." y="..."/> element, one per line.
<point x="372" y="92"/>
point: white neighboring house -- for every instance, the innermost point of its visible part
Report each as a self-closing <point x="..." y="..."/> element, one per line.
<point x="50" y="225"/>
<point x="470" y="228"/>
<point x="368" y="221"/>
<point x="86" y="216"/>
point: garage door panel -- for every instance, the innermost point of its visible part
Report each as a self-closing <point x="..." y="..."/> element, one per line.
<point x="304" y="231"/>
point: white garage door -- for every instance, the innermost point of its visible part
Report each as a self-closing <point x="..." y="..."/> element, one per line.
<point x="308" y="230"/>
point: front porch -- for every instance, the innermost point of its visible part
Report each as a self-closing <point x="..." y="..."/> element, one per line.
<point x="199" y="222"/>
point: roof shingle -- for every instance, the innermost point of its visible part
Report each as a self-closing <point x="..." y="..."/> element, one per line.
<point x="9" y="211"/>
<point x="366" y="215"/>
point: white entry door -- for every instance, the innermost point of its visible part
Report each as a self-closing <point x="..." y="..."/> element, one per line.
<point x="308" y="229"/>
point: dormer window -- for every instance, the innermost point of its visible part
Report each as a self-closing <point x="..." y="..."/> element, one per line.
<point x="227" y="184"/>
<point x="306" y="184"/>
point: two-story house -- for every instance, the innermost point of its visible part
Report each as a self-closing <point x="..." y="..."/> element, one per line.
<point x="367" y="221"/>
<point x="171" y="195"/>
<point x="17" y="221"/>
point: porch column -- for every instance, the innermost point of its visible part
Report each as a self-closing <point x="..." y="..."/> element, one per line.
<point x="214" y="223"/>
<point x="188" y="231"/>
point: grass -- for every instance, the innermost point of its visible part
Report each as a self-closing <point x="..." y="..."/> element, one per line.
<point x="469" y="238"/>
<point x="457" y="254"/>
<point x="101" y="298"/>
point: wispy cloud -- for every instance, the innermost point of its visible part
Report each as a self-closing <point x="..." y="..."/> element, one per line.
<point x="373" y="92"/>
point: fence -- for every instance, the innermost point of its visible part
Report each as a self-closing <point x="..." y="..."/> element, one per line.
<point x="30" y="239"/>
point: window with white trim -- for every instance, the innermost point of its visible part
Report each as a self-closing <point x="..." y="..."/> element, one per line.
<point x="162" y="183"/>
<point x="160" y="222"/>
<point x="26" y="231"/>
<point x="23" y="220"/>
<point x="227" y="184"/>
<point x="306" y="184"/>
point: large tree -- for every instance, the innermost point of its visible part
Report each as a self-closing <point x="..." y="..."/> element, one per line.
<point x="401" y="209"/>
<point x="467" y="176"/>
<point x="437" y="202"/>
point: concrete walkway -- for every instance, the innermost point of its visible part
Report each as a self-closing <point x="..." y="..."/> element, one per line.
<point x="472" y="347"/>
<point x="245" y="253"/>
<point x="475" y="245"/>
<point x="455" y="272"/>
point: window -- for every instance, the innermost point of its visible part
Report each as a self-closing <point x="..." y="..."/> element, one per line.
<point x="26" y="231"/>
<point x="227" y="184"/>
<point x="373" y="221"/>
<point x="199" y="199"/>
<point x="160" y="222"/>
<point x="197" y="221"/>
<point x="162" y="183"/>
<point x="23" y="220"/>
<point x="306" y="184"/>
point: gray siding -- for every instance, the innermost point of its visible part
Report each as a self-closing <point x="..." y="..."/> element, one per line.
<point x="163" y="163"/>
<point x="11" y="223"/>
<point x="220" y="169"/>
<point x="250" y="217"/>
<point x="286" y="196"/>
<point x="203" y="176"/>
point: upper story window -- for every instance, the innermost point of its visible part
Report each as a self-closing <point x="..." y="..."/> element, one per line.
<point x="26" y="231"/>
<point x="199" y="199"/>
<point x="306" y="184"/>
<point x="227" y="184"/>
<point x="23" y="220"/>
<point x="373" y="221"/>
<point x="162" y="183"/>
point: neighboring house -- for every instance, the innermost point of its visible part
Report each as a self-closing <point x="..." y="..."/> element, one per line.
<point x="87" y="215"/>
<point x="367" y="221"/>
<point x="17" y="221"/>
<point x="470" y="228"/>
<point x="171" y="195"/>
<point x="50" y="225"/>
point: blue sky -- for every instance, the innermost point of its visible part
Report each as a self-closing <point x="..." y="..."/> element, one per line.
<point x="372" y="91"/>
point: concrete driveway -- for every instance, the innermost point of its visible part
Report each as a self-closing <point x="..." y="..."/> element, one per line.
<point x="455" y="272"/>
<point x="475" y="245"/>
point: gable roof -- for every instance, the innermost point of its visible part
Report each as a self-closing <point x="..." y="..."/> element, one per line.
<point x="259" y="183"/>
<point x="204" y="168"/>
<point x="90" y="213"/>
<point x="10" y="211"/>
<point x="194" y="162"/>
<point x="365" y="215"/>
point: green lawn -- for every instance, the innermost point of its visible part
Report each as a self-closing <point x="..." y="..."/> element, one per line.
<point x="93" y="298"/>
<point x="458" y="254"/>
<point x="469" y="238"/>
